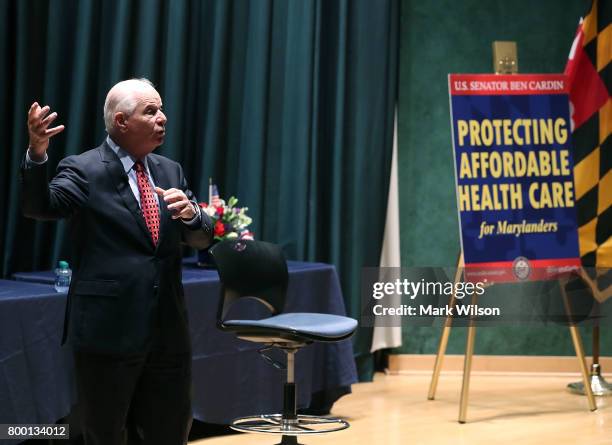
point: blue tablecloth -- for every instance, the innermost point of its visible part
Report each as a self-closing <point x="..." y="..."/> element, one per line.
<point x="36" y="377"/>
<point x="230" y="378"/>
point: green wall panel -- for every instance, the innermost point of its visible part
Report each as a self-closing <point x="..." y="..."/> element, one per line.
<point x="441" y="37"/>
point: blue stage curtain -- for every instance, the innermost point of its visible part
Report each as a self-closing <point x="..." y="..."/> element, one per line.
<point x="287" y="104"/>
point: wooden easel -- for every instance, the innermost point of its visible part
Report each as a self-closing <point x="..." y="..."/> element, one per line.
<point x="469" y="353"/>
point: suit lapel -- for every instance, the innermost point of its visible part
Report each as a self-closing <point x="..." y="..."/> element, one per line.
<point x="161" y="180"/>
<point x="117" y="174"/>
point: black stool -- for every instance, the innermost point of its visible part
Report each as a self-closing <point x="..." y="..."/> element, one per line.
<point x="258" y="270"/>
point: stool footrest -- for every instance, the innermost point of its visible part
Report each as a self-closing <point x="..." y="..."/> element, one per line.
<point x="277" y="424"/>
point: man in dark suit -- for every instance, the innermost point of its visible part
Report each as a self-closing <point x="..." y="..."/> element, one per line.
<point x="126" y="320"/>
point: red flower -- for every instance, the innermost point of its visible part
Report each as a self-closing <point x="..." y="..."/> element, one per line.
<point x="219" y="229"/>
<point x="219" y="211"/>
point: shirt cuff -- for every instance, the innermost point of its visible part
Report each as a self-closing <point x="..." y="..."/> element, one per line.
<point x="29" y="160"/>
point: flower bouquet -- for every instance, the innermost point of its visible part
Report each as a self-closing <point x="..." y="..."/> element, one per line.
<point x="228" y="221"/>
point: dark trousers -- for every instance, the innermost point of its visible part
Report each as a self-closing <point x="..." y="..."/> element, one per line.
<point x="152" y="391"/>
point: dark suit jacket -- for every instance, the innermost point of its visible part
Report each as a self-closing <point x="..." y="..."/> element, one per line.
<point x="124" y="290"/>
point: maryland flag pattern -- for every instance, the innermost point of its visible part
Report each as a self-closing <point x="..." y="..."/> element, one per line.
<point x="589" y="74"/>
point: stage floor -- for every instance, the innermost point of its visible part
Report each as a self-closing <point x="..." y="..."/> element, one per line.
<point x="517" y="409"/>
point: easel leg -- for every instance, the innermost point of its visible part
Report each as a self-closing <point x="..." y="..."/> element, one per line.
<point x="467" y="370"/>
<point x="433" y="385"/>
<point x="439" y="359"/>
<point x="577" y="340"/>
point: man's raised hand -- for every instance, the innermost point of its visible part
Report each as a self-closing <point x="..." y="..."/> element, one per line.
<point x="39" y="120"/>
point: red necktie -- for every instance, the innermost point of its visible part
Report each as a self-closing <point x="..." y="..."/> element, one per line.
<point x="148" y="201"/>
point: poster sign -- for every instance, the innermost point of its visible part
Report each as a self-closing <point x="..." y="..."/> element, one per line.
<point x="514" y="176"/>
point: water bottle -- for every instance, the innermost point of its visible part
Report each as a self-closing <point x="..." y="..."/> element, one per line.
<point x="63" y="274"/>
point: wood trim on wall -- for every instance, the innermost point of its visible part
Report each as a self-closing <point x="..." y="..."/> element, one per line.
<point x="405" y="363"/>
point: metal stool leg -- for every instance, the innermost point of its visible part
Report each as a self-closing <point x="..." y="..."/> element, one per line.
<point x="289" y="418"/>
<point x="289" y="440"/>
<point x="289" y="424"/>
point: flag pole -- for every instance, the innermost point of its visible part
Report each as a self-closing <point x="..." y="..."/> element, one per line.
<point x="210" y="191"/>
<point x="599" y="386"/>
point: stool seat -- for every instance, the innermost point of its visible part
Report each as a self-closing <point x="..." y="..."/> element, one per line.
<point x="321" y="327"/>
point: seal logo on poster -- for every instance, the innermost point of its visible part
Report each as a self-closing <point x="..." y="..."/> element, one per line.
<point x="521" y="268"/>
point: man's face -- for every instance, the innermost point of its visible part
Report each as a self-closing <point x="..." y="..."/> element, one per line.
<point x="145" y="127"/>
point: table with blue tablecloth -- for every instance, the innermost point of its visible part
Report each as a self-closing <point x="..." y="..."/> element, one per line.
<point x="230" y="379"/>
